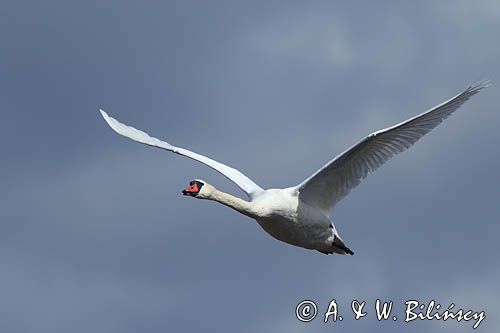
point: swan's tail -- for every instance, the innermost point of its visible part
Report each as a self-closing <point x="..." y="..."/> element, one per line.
<point x="338" y="246"/>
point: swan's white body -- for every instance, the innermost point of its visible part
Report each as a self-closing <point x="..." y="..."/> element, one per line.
<point x="299" y="215"/>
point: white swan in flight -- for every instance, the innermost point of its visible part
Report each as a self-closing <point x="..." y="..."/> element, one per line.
<point x="299" y="215"/>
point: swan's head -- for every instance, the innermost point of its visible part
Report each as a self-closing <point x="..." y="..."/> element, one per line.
<point x="198" y="188"/>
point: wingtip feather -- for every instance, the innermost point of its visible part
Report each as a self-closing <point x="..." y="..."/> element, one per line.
<point x="480" y="85"/>
<point x="105" y="116"/>
<point x="114" y="124"/>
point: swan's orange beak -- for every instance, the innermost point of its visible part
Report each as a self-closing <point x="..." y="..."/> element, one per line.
<point x="191" y="189"/>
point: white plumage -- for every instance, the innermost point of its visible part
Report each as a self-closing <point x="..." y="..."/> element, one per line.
<point x="243" y="182"/>
<point x="299" y="215"/>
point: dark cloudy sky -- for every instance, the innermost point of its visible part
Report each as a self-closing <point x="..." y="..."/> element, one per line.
<point x="95" y="235"/>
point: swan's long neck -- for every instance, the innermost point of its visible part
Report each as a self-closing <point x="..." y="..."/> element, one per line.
<point x="240" y="205"/>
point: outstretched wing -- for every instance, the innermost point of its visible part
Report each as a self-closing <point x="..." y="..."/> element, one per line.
<point x="243" y="182"/>
<point x="338" y="177"/>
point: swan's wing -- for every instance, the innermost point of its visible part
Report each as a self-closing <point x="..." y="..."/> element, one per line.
<point x="243" y="182"/>
<point x="338" y="177"/>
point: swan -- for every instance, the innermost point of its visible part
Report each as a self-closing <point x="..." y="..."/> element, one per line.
<point x="300" y="215"/>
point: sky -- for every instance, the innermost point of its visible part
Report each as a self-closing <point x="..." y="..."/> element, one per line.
<point x="95" y="235"/>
